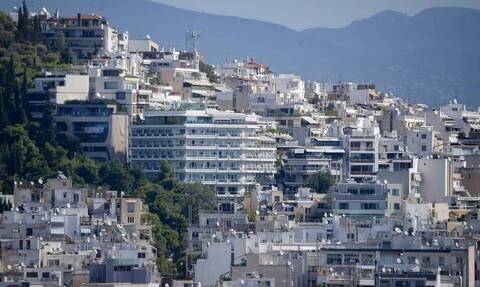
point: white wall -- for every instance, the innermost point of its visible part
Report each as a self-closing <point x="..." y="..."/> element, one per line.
<point x="208" y="271"/>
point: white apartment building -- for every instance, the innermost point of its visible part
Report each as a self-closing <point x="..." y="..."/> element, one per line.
<point x="86" y="35"/>
<point x="223" y="149"/>
<point x="362" y="145"/>
<point x="423" y="141"/>
<point x="291" y="86"/>
<point x="59" y="88"/>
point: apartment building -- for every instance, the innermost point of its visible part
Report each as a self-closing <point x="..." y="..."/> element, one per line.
<point x="301" y="163"/>
<point x="223" y="149"/>
<point x="102" y="131"/>
<point x="58" y="87"/>
<point x="423" y="141"/>
<point x="362" y="145"/>
<point x="361" y="199"/>
<point x="85" y="35"/>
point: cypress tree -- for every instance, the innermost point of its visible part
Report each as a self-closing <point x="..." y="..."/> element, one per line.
<point x="20" y="116"/>
<point x="9" y="90"/>
<point x="48" y="122"/>
<point x="3" y="109"/>
<point x="24" y="93"/>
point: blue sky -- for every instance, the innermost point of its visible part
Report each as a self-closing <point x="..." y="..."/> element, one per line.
<point x="301" y="14"/>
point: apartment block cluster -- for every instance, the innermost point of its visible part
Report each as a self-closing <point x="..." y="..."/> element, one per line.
<point x="58" y="235"/>
<point x="403" y="209"/>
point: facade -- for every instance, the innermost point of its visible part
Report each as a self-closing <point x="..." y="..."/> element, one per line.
<point x="223" y="149"/>
<point x="423" y="141"/>
<point x="58" y="87"/>
<point x="87" y="35"/>
<point x="101" y="130"/>
<point x="361" y="200"/>
<point x="299" y="164"/>
<point x="363" y="147"/>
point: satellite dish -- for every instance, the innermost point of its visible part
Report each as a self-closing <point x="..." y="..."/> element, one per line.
<point x="68" y="205"/>
<point x="384" y="270"/>
<point x="40" y="180"/>
<point x="9" y="267"/>
<point x="417" y="261"/>
<point x="399" y="260"/>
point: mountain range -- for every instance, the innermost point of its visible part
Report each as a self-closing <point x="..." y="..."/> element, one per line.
<point x="432" y="56"/>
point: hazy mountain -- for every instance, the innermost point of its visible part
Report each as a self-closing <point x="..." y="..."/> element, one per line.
<point x="430" y="57"/>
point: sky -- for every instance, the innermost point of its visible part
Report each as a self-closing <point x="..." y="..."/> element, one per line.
<point x="302" y="14"/>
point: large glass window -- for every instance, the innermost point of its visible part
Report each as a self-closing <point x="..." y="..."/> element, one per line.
<point x="91" y="131"/>
<point x="110" y="85"/>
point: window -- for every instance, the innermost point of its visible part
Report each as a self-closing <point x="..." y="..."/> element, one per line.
<point x="424" y="148"/>
<point x="111" y="73"/>
<point x="141" y="255"/>
<point x="426" y="260"/>
<point x="441" y="261"/>
<point x="411" y="259"/>
<point x="29" y="232"/>
<point x="334" y="259"/>
<point x="351" y="258"/>
<point x="130" y="207"/>
<point x="352" y="191"/>
<point x="424" y="136"/>
<point x="369" y="205"/>
<point x="122" y="268"/>
<point x="121" y="95"/>
<point x="45" y="275"/>
<point x="110" y="85"/>
<point x="130" y="85"/>
<point x="395" y="192"/>
<point x="32" y="274"/>
<point x="130" y="219"/>
<point x="343" y="205"/>
<point x="396" y="206"/>
<point x="367" y="191"/>
<point x="367" y="259"/>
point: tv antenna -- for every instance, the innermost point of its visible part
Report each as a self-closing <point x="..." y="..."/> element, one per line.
<point x="191" y="38"/>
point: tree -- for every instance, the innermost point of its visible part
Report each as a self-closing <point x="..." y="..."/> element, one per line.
<point x="209" y="70"/>
<point x="115" y="175"/>
<point x="47" y="122"/>
<point x="65" y="52"/>
<point x="196" y="197"/>
<point x="321" y="182"/>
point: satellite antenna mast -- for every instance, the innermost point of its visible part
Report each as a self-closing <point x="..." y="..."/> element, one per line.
<point x="191" y="38"/>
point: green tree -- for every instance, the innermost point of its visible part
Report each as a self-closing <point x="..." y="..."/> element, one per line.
<point x="321" y="182"/>
<point x="209" y="70"/>
<point x="48" y="123"/>
<point x="115" y="175"/>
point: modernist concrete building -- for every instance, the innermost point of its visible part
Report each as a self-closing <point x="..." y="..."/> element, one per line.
<point x="223" y="149"/>
<point x="102" y="131"/>
<point x="58" y="87"/>
<point x="362" y="145"/>
<point x="86" y="35"/>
